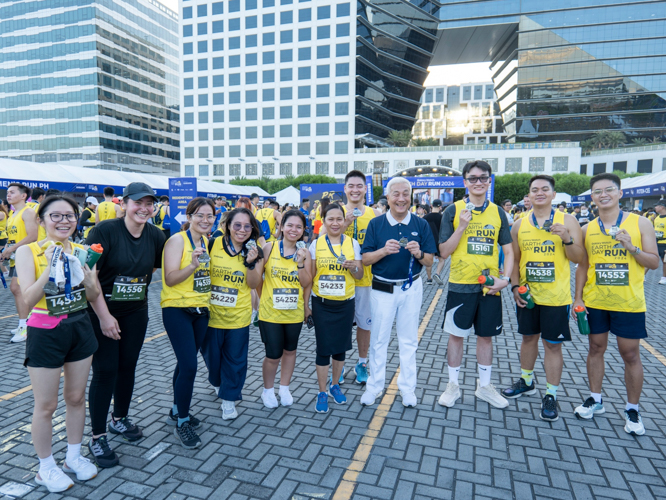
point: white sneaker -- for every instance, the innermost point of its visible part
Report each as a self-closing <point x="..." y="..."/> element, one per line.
<point x="20" y="336"/>
<point x="368" y="399"/>
<point x="269" y="399"/>
<point x="408" y="399"/>
<point x="216" y="390"/>
<point x="450" y="395"/>
<point x="489" y="394"/>
<point x="55" y="480"/>
<point x="229" y="410"/>
<point x="82" y="467"/>
<point x="662" y="281"/>
<point x="634" y="423"/>
<point x="14" y="331"/>
<point x="286" y="399"/>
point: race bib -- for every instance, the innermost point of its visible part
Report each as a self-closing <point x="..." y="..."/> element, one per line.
<point x="480" y="246"/>
<point x="612" y="274"/>
<point x="202" y="281"/>
<point x="126" y="288"/>
<point x="540" y="272"/>
<point x="659" y="234"/>
<point x="332" y="286"/>
<point x="59" y="304"/>
<point x="223" y="296"/>
<point x="285" y="298"/>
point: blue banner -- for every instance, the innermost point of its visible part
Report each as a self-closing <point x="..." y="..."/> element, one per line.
<point x="637" y="192"/>
<point x="182" y="190"/>
<point x="443" y="183"/>
<point x="369" y="196"/>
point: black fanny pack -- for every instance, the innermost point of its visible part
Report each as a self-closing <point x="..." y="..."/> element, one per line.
<point x="382" y="286"/>
<point x="198" y="311"/>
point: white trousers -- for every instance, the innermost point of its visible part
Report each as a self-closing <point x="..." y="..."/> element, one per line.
<point x="404" y="307"/>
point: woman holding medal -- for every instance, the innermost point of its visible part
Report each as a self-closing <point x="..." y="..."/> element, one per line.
<point x="60" y="336"/>
<point x="132" y="252"/>
<point x="236" y="266"/>
<point x="184" y="301"/>
<point x="287" y="272"/>
<point x="336" y="263"/>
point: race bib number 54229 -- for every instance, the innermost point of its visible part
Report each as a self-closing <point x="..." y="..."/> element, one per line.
<point x="223" y="296"/>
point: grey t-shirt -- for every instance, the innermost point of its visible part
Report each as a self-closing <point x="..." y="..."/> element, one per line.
<point x="446" y="230"/>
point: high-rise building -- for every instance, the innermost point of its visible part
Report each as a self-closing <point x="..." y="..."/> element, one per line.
<point x="91" y="83"/>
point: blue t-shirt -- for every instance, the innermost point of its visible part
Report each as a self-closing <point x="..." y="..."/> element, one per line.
<point x="396" y="266"/>
<point x="307" y="217"/>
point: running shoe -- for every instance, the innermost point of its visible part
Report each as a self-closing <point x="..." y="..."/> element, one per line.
<point x="20" y="335"/>
<point x="634" y="423"/>
<point x="519" y="388"/>
<point x="125" y="428"/>
<point x="229" y="410"/>
<point x="408" y="399"/>
<point x="335" y="392"/>
<point x="55" y="480"/>
<point x="438" y="279"/>
<point x="368" y="399"/>
<point x="321" y="406"/>
<point x="269" y="399"/>
<point x="428" y="282"/>
<point x="172" y="419"/>
<point x="450" y="395"/>
<point x="286" y="399"/>
<point x="82" y="467"/>
<point x="102" y="453"/>
<point x="187" y="435"/>
<point x="361" y="372"/>
<point x="662" y="281"/>
<point x="489" y="394"/>
<point x="342" y="377"/>
<point x="548" y="408"/>
<point x="589" y="409"/>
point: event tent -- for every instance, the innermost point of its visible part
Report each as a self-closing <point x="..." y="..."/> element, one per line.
<point x="288" y="195"/>
<point x="637" y="187"/>
<point x="93" y="180"/>
<point x="562" y="197"/>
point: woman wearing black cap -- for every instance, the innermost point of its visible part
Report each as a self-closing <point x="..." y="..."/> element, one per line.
<point x="132" y="249"/>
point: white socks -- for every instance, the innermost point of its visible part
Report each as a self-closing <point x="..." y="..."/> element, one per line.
<point x="484" y="375"/>
<point x="46" y="464"/>
<point x="631" y="407"/>
<point x="453" y="375"/>
<point x="73" y="452"/>
<point x="596" y="396"/>
<point x="271" y="390"/>
<point x="363" y="360"/>
<point x="23" y="323"/>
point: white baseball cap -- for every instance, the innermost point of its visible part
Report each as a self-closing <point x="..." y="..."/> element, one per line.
<point x="92" y="199"/>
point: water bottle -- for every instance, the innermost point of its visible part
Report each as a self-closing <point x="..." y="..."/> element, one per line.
<point x="583" y="325"/>
<point x="524" y="293"/>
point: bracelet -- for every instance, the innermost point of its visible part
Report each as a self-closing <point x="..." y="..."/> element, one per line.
<point x="300" y="267"/>
<point x="514" y="287"/>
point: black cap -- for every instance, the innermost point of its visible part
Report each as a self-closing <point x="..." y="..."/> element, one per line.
<point x="436" y="202"/>
<point x="661" y="202"/>
<point x="137" y="190"/>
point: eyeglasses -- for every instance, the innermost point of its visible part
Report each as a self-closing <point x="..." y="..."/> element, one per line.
<point x="201" y="217"/>
<point x="237" y="226"/>
<point x="608" y="190"/>
<point x="473" y="180"/>
<point x="59" y="217"/>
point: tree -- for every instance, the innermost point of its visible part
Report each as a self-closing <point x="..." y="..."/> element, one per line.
<point x="639" y="141"/>
<point x="430" y="141"/>
<point x="572" y="183"/>
<point x="511" y="186"/>
<point x="400" y="138"/>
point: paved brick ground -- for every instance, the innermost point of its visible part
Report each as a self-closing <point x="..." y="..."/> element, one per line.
<point x="470" y="451"/>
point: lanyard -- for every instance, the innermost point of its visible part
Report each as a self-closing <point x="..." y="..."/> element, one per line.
<point x="483" y="208"/>
<point x="603" y="229"/>
<point x="68" y="279"/>
<point x="536" y="224"/>
<point x="407" y="284"/>
<point x="229" y="247"/>
<point x="203" y="244"/>
<point x="330" y="247"/>
<point x="355" y="230"/>
<point x="282" y="252"/>
<point x="51" y="287"/>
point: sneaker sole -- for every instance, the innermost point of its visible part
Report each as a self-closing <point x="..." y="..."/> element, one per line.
<point x="491" y="403"/>
<point x="43" y="483"/>
<point x="70" y="471"/>
<point x="526" y="393"/>
<point x="103" y="465"/>
<point x="232" y="417"/>
<point x="356" y="380"/>
<point x="126" y="438"/>
<point x="169" y="421"/>
<point x="548" y="419"/>
<point x="633" y="433"/>
<point x="448" y="406"/>
<point x="187" y="447"/>
<point x="320" y="411"/>
<point x="598" y="412"/>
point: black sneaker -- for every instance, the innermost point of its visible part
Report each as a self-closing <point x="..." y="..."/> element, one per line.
<point x="172" y="419"/>
<point x="549" y="408"/>
<point x="101" y="452"/>
<point x="125" y="428"/>
<point x="519" y="388"/>
<point x="428" y="282"/>
<point x="188" y="436"/>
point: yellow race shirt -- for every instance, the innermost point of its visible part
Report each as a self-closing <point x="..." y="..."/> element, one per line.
<point x="106" y="210"/>
<point x="477" y="249"/>
<point x="544" y="266"/>
<point x="660" y="229"/>
<point x="194" y="291"/>
<point x="357" y="231"/>
<point x="41" y="230"/>
<point x="332" y="281"/>
<point x="230" y="300"/>
<point x="282" y="294"/>
<point x="3" y="228"/>
<point x="266" y="216"/>
<point x="614" y="278"/>
<point x="87" y="229"/>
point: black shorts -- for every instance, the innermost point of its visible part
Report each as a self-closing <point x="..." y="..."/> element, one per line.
<point x="12" y="272"/>
<point x="278" y="337"/>
<point x="72" y="340"/>
<point x="626" y="325"/>
<point x="3" y="242"/>
<point x="552" y="322"/>
<point x="661" y="248"/>
<point x="467" y="310"/>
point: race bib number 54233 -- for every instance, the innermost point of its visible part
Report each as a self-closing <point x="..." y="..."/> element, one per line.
<point x="332" y="286"/>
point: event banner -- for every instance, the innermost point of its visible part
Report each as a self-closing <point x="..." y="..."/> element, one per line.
<point x="653" y="190"/>
<point x="182" y="190"/>
<point x="313" y="192"/>
<point x="427" y="189"/>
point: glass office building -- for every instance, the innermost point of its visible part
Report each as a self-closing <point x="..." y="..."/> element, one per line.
<point x="567" y="69"/>
<point x="90" y="83"/>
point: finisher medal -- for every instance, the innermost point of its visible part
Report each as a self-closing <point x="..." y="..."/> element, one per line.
<point x="547" y="225"/>
<point x="403" y="242"/>
<point x="51" y="288"/>
<point x="299" y="245"/>
<point x="342" y="259"/>
<point x="613" y="231"/>
<point x="357" y="212"/>
<point x="251" y="244"/>
<point x="204" y="258"/>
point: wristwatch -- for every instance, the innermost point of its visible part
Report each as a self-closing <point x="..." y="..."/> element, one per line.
<point x="637" y="252"/>
<point x="355" y="269"/>
<point x="570" y="242"/>
<point x="422" y="255"/>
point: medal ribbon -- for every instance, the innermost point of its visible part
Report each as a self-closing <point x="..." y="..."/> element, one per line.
<point x="292" y="256"/>
<point x="408" y="283"/>
<point x="534" y="219"/>
<point x="330" y="247"/>
<point x="483" y="208"/>
<point x="68" y="279"/>
<point x="54" y="263"/>
<point x="203" y="243"/>
<point x="601" y="223"/>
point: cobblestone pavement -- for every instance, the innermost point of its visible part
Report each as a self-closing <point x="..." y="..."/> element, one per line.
<point x="469" y="451"/>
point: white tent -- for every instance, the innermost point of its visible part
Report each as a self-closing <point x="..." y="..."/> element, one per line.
<point x="562" y="197"/>
<point x="288" y="195"/>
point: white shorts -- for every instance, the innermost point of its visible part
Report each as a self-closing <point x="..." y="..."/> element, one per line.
<point x="362" y="314"/>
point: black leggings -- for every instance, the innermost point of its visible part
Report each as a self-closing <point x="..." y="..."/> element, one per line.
<point x="279" y="337"/>
<point x="326" y="360"/>
<point x="186" y="332"/>
<point x="113" y="367"/>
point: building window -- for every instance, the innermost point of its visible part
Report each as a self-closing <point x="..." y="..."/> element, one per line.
<point x="620" y="166"/>
<point x="341" y="128"/>
<point x="285" y="95"/>
<point x="321" y="168"/>
<point x="303" y="148"/>
<point x="560" y="163"/>
<point x="218" y="134"/>
<point x="268" y="38"/>
<point x="250" y="132"/>
<point x="303" y="92"/>
<point x="268" y="168"/>
<point x="421" y="163"/>
<point x="286" y="17"/>
<point x="268" y="114"/>
<point x="285" y="112"/>
<point x="304" y="34"/>
<point x="303" y="129"/>
<point x="322" y="129"/>
<point x="250" y="22"/>
<point x="323" y="90"/>
<point x="189" y="170"/>
<point x="268" y="131"/>
<point x="235" y="151"/>
<point x="583" y="169"/>
<point x="286" y="36"/>
<point x="323" y="32"/>
<point x="341" y="108"/>
<point x="285" y="149"/>
<point x="493" y="162"/>
<point x="234" y="133"/>
<point x="644" y="166"/>
<point x="218" y="170"/>
<point x="268" y="75"/>
<point x="342" y="50"/>
<point x="203" y="170"/>
<point x="189" y="152"/>
<point x="598" y="168"/>
<point x="203" y="134"/>
<point x="341" y="89"/>
<point x="341" y="167"/>
<point x="285" y="168"/>
<point x="189" y="136"/>
<point x="321" y="148"/>
<point x="513" y="165"/>
<point x="324" y="12"/>
<point x="342" y="30"/>
<point x="304" y="15"/>
<point x="286" y="75"/>
<point x="342" y="10"/>
<point x="251" y="169"/>
<point x="285" y="130"/>
<point x="235" y="169"/>
<point x="342" y="69"/>
<point x="445" y="162"/>
<point x="304" y="111"/>
<point x="268" y="20"/>
<point x="303" y="168"/>
<point x="187" y="12"/>
<point x="323" y="52"/>
<point x="218" y="152"/>
<point x="304" y="54"/>
<point x="361" y="166"/>
<point x="537" y="164"/>
<point x="267" y="149"/>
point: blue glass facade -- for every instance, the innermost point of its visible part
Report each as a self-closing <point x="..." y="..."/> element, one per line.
<point x="90" y="82"/>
